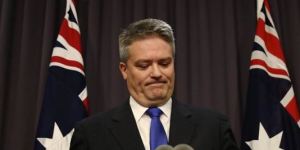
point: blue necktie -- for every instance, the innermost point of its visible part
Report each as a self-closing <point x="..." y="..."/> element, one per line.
<point x="157" y="133"/>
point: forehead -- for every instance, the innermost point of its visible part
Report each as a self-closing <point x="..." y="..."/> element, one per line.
<point x="151" y="47"/>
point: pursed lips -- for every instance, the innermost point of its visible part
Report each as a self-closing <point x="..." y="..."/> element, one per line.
<point x="158" y="83"/>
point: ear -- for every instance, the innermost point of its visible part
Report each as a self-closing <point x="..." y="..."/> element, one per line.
<point x="123" y="69"/>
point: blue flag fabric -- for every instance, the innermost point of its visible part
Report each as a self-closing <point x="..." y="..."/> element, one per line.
<point x="65" y="99"/>
<point x="272" y="118"/>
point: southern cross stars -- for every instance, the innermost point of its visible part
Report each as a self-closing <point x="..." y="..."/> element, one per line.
<point x="58" y="141"/>
<point x="264" y="142"/>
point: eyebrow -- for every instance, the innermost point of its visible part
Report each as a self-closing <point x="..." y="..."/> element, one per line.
<point x="165" y="59"/>
<point x="150" y="60"/>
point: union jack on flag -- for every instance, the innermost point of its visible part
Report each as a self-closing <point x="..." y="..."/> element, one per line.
<point x="272" y="120"/>
<point x="65" y="99"/>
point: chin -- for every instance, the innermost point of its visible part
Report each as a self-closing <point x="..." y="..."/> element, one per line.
<point x="158" y="98"/>
<point x="157" y="103"/>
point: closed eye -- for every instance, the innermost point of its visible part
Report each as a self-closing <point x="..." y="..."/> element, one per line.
<point x="143" y="64"/>
<point x="165" y="62"/>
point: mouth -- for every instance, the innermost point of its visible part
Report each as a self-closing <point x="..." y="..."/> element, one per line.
<point x="156" y="83"/>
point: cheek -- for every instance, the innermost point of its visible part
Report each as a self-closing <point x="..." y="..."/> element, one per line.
<point x="170" y="74"/>
<point x="138" y="78"/>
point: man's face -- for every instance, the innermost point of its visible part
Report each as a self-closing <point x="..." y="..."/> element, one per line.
<point x="149" y="71"/>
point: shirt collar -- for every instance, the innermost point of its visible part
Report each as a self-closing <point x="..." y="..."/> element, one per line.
<point x="139" y="110"/>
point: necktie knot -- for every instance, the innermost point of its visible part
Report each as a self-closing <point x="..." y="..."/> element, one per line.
<point x="154" y="112"/>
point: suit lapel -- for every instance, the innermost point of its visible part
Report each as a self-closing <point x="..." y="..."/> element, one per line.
<point x="125" y="130"/>
<point x="181" y="127"/>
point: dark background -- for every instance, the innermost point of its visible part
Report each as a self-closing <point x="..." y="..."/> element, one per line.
<point x="213" y="46"/>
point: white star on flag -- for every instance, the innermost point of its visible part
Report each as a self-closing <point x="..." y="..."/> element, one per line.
<point x="58" y="141"/>
<point x="264" y="142"/>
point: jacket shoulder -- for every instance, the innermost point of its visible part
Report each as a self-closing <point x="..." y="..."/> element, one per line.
<point x="198" y="114"/>
<point x="101" y="118"/>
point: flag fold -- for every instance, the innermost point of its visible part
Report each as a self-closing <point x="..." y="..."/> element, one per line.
<point x="65" y="99"/>
<point x="272" y="118"/>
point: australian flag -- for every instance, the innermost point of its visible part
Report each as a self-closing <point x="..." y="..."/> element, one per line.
<point x="272" y="118"/>
<point x="65" y="98"/>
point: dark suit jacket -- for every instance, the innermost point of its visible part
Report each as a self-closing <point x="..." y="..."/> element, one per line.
<point x="117" y="130"/>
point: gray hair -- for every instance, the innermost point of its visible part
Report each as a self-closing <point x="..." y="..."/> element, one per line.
<point x="142" y="29"/>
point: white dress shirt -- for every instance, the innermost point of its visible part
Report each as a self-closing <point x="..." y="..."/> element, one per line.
<point x="143" y="121"/>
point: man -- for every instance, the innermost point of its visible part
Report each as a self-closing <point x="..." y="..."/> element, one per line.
<point x="147" y="52"/>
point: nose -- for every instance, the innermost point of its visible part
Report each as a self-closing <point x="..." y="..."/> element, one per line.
<point x="156" y="71"/>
